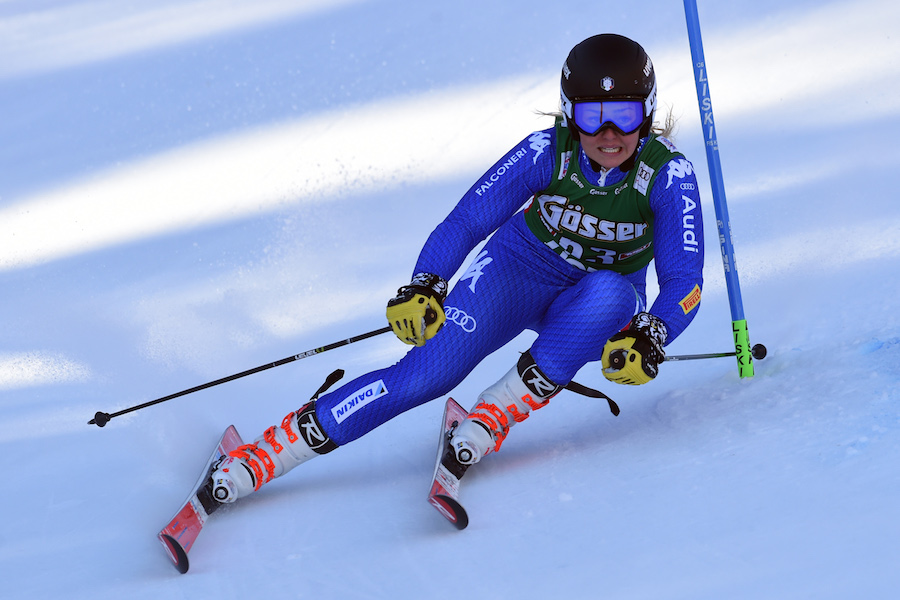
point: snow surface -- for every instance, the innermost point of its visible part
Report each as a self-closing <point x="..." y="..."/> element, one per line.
<point x="192" y="188"/>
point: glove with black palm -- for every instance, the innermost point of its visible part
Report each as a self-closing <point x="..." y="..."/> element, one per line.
<point x="633" y="355"/>
<point x="416" y="314"/>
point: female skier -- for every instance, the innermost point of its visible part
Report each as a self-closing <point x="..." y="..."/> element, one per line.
<point x="605" y="195"/>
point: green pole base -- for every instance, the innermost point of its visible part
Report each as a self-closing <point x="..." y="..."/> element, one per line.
<point x="742" y="348"/>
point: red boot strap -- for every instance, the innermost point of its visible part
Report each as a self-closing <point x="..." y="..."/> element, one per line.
<point x="269" y="436"/>
<point x="286" y="426"/>
<point x="516" y="415"/>
<point x="496" y="411"/>
<point x="498" y="430"/>
<point x="243" y="453"/>
<point x="266" y="460"/>
<point x="486" y="419"/>
<point x="527" y="399"/>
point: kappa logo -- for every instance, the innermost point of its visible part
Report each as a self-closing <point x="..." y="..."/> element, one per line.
<point x="476" y="269"/>
<point x="539" y="141"/>
<point x="679" y="168"/>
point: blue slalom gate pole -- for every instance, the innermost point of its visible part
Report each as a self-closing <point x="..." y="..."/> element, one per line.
<point x="738" y="322"/>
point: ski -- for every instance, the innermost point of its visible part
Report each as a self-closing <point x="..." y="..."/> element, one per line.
<point x="444" y="494"/>
<point x="179" y="535"/>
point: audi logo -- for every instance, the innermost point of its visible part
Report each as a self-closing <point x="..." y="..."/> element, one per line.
<point x="460" y="317"/>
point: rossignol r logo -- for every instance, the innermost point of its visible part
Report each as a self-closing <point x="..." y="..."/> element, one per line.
<point x="312" y="432"/>
<point x="539" y="385"/>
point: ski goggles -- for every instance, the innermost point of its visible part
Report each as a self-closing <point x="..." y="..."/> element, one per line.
<point x="625" y="115"/>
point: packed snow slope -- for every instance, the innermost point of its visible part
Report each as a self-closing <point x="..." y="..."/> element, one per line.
<point x="189" y="189"/>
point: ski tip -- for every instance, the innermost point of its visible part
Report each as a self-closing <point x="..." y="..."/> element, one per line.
<point x="451" y="509"/>
<point x="176" y="552"/>
<point x="452" y="402"/>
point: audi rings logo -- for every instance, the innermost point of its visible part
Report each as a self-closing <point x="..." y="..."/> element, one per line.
<point x="460" y="317"/>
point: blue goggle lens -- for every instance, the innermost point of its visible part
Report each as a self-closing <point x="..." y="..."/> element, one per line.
<point x="626" y="115"/>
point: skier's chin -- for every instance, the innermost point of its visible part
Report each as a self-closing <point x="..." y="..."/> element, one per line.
<point x="608" y="158"/>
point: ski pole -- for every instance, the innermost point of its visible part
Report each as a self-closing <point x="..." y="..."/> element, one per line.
<point x="101" y="418"/>
<point x="738" y="321"/>
<point x="758" y="351"/>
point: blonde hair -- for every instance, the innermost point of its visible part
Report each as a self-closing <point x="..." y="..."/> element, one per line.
<point x="667" y="129"/>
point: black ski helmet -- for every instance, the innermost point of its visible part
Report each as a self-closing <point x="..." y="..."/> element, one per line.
<point x="608" y="67"/>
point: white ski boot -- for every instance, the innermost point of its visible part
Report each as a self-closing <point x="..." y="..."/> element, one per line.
<point x="279" y="449"/>
<point x="509" y="401"/>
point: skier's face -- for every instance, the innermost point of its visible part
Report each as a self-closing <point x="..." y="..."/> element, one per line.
<point x="608" y="147"/>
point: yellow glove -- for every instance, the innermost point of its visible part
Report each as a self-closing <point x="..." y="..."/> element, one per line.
<point x="416" y="314"/>
<point x="633" y="356"/>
